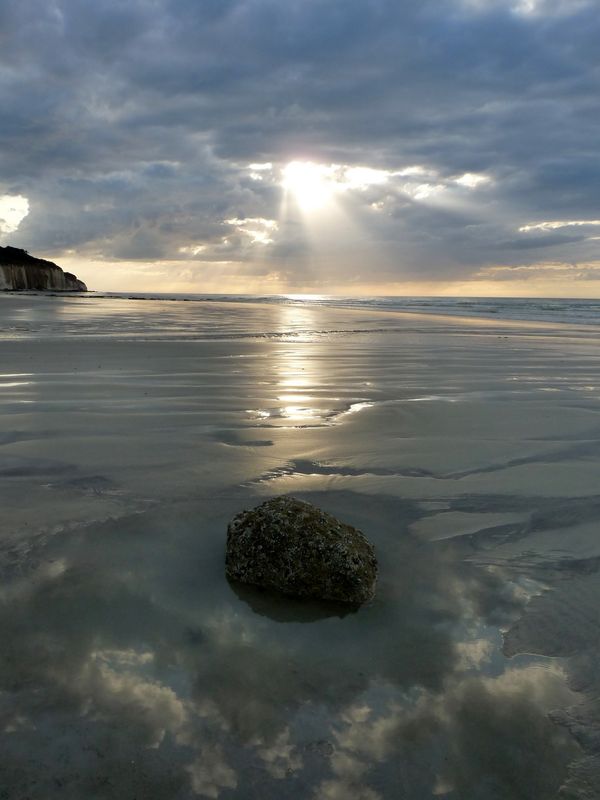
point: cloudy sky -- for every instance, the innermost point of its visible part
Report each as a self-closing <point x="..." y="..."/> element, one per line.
<point x="342" y="146"/>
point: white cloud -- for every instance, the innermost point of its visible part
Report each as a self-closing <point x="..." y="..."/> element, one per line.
<point x="471" y="180"/>
<point x="13" y="210"/>
<point x="416" y="169"/>
<point x="192" y="250"/>
<point x="529" y="8"/>
<point x="556" y="224"/>
<point x="257" y="228"/>
<point x="258" y="171"/>
<point x="422" y="191"/>
<point x="362" y="177"/>
<point x="267" y="165"/>
<point x="315" y="184"/>
<point x="548" y="7"/>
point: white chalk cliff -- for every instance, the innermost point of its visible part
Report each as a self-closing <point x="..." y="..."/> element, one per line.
<point x="21" y="272"/>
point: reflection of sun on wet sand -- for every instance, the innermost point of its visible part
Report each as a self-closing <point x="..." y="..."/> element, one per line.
<point x="131" y="433"/>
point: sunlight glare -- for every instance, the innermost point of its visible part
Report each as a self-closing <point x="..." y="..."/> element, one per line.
<point x="309" y="183"/>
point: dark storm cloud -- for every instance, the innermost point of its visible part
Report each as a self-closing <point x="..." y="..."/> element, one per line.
<point x="129" y="127"/>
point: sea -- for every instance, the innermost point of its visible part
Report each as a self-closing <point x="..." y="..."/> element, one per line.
<point x="555" y="310"/>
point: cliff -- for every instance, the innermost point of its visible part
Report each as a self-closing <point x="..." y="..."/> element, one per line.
<point x="21" y="272"/>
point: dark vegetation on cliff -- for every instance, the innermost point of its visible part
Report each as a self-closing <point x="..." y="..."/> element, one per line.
<point x="16" y="256"/>
<point x="20" y="271"/>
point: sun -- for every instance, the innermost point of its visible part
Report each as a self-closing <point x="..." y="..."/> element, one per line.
<point x="312" y="185"/>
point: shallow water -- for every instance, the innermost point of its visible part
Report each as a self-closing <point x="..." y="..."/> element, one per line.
<point x="466" y="450"/>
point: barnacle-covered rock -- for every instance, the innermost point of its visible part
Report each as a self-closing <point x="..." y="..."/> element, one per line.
<point x="295" y="548"/>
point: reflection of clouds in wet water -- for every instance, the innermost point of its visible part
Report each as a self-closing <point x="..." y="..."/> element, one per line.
<point x="480" y="738"/>
<point x="564" y="621"/>
<point x="106" y="664"/>
<point x="210" y="773"/>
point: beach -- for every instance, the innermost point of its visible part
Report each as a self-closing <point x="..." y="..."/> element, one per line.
<point x="466" y="446"/>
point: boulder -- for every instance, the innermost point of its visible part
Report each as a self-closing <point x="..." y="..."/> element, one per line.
<point x="295" y="548"/>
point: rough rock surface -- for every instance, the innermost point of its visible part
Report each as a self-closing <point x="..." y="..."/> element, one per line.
<point x="21" y="272"/>
<point x="299" y="550"/>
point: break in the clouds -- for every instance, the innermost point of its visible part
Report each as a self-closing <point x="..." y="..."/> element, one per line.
<point x="13" y="210"/>
<point x="324" y="144"/>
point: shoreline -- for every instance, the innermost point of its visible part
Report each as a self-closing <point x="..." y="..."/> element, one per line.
<point x="443" y="315"/>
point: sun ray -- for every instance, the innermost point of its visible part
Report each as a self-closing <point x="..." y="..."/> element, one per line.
<point x="310" y="184"/>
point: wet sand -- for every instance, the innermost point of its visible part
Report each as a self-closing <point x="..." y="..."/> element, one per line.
<point x="467" y="450"/>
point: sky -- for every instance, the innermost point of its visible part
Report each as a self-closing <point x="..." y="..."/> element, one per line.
<point x="328" y="146"/>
